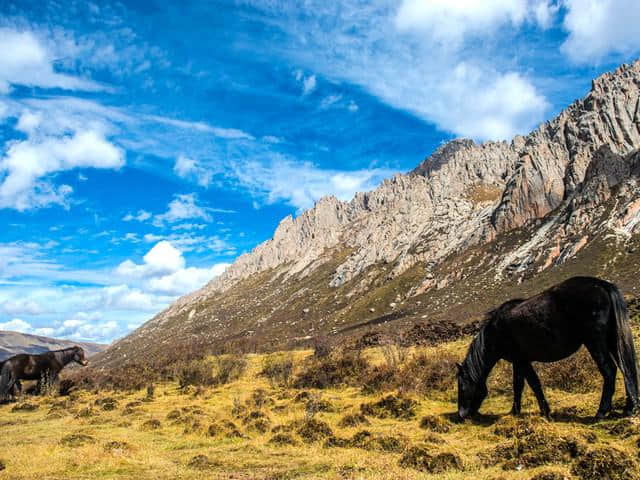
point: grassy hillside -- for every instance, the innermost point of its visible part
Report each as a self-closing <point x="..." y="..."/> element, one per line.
<point x="387" y="412"/>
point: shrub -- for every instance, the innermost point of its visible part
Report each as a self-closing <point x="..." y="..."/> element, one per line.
<point x="278" y="369"/>
<point x="424" y="372"/>
<point x="196" y="372"/>
<point x="346" y="367"/>
<point x="321" y="346"/>
<point x="229" y="368"/>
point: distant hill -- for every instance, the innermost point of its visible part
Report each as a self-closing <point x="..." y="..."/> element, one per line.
<point x="12" y="343"/>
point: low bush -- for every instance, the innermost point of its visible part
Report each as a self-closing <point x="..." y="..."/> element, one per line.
<point x="195" y="372"/>
<point x="339" y="368"/>
<point x="229" y="368"/>
<point x="278" y="369"/>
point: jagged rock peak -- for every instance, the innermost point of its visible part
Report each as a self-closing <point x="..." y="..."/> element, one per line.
<point x="463" y="194"/>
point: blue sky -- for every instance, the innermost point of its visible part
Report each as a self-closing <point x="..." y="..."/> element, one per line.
<point x="146" y="144"/>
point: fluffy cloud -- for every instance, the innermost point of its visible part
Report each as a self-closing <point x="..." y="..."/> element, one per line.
<point x="186" y="167"/>
<point x="27" y="60"/>
<point x="164" y="271"/>
<point x="163" y="258"/>
<point x="182" y="207"/>
<point x="273" y="181"/>
<point x="27" y="163"/>
<point x="448" y="23"/>
<point x="185" y="280"/>
<point x="599" y="28"/>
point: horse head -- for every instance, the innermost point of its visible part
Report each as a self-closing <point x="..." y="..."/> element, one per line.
<point x="471" y="392"/>
<point x="79" y="356"/>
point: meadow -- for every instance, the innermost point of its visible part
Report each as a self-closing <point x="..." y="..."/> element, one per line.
<point x="383" y="412"/>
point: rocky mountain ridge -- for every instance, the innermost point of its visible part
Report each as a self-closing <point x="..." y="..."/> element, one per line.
<point x="570" y="184"/>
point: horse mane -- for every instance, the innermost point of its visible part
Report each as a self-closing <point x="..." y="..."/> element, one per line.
<point x="475" y="360"/>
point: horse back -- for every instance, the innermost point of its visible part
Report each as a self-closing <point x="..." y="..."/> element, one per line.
<point x="555" y="323"/>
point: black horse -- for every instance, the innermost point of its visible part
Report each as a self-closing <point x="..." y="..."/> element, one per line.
<point x="44" y="368"/>
<point x="549" y="327"/>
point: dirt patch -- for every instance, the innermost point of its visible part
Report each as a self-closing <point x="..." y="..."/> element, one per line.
<point x="434" y="333"/>
<point x="541" y="447"/>
<point x="231" y="430"/>
<point x="435" y="423"/>
<point x="107" y="403"/>
<point x="76" y="440"/>
<point x="391" y="406"/>
<point x="625" y="427"/>
<point x="85" y="412"/>
<point x="605" y="463"/>
<point x="317" y="404"/>
<point x="174" y="415"/>
<point x="117" y="448"/>
<point x="353" y="420"/>
<point x="313" y="430"/>
<point x="153" y="424"/>
<point x="24" y="407"/>
<point x="3" y="465"/>
<point x="420" y="458"/>
<point x="510" y="427"/>
<point x="550" y="476"/>
<point x="202" y="462"/>
<point x="283" y="439"/>
<point x="257" y="421"/>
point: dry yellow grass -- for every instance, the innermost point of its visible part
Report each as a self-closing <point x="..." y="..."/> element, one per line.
<point x="76" y="440"/>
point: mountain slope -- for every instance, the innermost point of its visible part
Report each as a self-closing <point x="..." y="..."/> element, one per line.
<point x="12" y="343"/>
<point x="471" y="226"/>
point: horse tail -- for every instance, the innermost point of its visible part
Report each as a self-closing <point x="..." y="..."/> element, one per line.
<point x="625" y="350"/>
<point x="6" y="382"/>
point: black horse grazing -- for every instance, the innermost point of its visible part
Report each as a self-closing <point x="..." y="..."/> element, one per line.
<point x="549" y="327"/>
<point x="43" y="367"/>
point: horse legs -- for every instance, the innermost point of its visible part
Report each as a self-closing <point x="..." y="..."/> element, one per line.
<point x="608" y="370"/>
<point x="534" y="383"/>
<point x="518" y="386"/>
<point x="631" y="403"/>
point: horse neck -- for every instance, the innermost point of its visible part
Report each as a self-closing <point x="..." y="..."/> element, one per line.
<point x="65" y="356"/>
<point x="482" y="356"/>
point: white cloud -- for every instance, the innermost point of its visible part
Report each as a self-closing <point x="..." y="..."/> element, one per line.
<point x="228" y="133"/>
<point x="20" y="306"/>
<point x="448" y="22"/>
<point x="16" y="325"/>
<point x="598" y="28"/>
<point x="185" y="280"/>
<point x="441" y="60"/>
<point x="163" y="258"/>
<point x="27" y="163"/>
<point x="26" y="59"/>
<point x="182" y="207"/>
<point x="164" y="271"/>
<point x="141" y="216"/>
<point x="186" y="167"/>
<point x="273" y="181"/>
<point x="309" y="84"/>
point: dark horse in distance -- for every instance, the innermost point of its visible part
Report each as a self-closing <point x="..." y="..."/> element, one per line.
<point x="44" y="367"/>
<point x="549" y="327"/>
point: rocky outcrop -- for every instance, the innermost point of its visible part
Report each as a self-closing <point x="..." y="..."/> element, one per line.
<point x="431" y="212"/>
